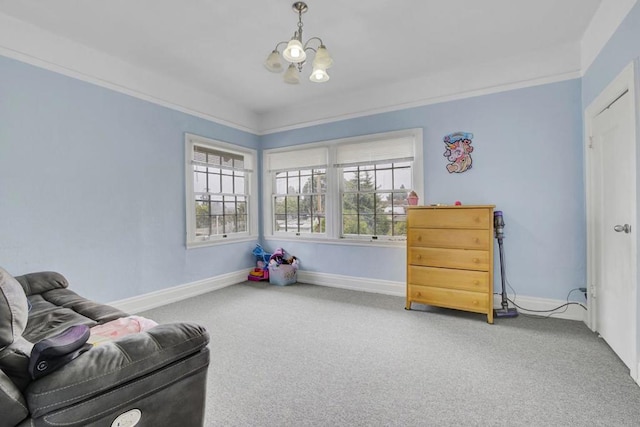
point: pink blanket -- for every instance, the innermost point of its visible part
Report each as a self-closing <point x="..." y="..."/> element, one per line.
<point x="119" y="328"/>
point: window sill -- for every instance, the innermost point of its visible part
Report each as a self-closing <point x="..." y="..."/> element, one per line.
<point x="341" y="242"/>
<point x="218" y="242"/>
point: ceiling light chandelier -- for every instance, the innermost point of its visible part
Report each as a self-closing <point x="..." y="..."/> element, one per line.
<point x="296" y="54"/>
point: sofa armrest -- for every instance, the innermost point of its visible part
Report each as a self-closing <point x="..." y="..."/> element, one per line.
<point x="113" y="364"/>
<point x="14" y="408"/>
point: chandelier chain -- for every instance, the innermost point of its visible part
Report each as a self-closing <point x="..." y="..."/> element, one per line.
<point x="300" y="24"/>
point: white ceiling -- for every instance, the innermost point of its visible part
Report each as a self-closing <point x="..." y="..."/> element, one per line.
<point x="218" y="46"/>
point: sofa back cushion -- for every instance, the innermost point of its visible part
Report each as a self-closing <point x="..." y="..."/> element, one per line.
<point x="14" y="309"/>
<point x="41" y="281"/>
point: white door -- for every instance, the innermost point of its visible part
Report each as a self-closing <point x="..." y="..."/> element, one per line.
<point x="613" y="143"/>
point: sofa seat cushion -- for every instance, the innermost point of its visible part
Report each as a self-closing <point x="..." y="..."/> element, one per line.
<point x="114" y="364"/>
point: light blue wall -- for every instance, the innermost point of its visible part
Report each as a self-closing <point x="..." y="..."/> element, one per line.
<point x="92" y="186"/>
<point x="527" y="160"/>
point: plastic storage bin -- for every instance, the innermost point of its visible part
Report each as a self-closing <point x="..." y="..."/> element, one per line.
<point x="283" y="274"/>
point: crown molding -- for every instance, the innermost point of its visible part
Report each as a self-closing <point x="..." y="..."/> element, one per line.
<point x="46" y="50"/>
<point x="528" y="69"/>
<point x="27" y="43"/>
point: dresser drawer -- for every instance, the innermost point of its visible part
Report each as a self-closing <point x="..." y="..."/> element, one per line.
<point x="443" y="238"/>
<point x="465" y="259"/>
<point x="467" y="280"/>
<point x="450" y="218"/>
<point x="450" y="298"/>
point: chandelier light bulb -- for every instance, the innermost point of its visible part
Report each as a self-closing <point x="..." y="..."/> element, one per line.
<point x="294" y="52"/>
<point x="319" y="75"/>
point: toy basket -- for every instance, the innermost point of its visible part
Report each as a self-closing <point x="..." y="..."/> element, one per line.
<point x="283" y="275"/>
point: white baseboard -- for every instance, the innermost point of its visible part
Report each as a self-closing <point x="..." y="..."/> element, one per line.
<point x="387" y="287"/>
<point x="377" y="286"/>
<point x="177" y="293"/>
<point x="573" y="312"/>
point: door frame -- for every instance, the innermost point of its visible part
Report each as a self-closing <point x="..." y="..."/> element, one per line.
<point x="625" y="81"/>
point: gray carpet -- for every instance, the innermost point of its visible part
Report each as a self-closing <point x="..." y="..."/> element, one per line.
<point x="307" y="355"/>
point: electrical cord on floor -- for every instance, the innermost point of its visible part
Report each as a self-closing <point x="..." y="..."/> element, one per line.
<point x="550" y="311"/>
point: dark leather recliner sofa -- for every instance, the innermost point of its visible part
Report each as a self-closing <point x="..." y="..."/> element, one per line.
<point x="151" y="378"/>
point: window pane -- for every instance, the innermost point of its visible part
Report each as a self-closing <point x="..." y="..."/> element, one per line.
<point x="319" y="182"/>
<point x="305" y="184"/>
<point x="238" y="163"/>
<point x="350" y="180"/>
<point x="202" y="225"/>
<point x="279" y="205"/>
<point x="238" y="185"/>
<point x="366" y="224"/>
<point x="217" y="222"/>
<point x="384" y="179"/>
<point x="280" y="222"/>
<point x="216" y="205"/>
<point x="281" y="184"/>
<point x="350" y="203"/>
<point x="383" y="200"/>
<point x="402" y="179"/>
<point x="382" y="225"/>
<point x="241" y="204"/>
<point x="400" y="225"/>
<point x="242" y="224"/>
<point x="227" y="160"/>
<point x="318" y="214"/>
<point x="200" y="182"/>
<point x="366" y="203"/>
<point x="229" y="206"/>
<point x="292" y="206"/>
<point x="293" y="185"/>
<point x="227" y="184"/>
<point x="230" y="224"/>
<point x="318" y="224"/>
<point x="365" y="181"/>
<point x="350" y="224"/>
<point x="305" y="205"/>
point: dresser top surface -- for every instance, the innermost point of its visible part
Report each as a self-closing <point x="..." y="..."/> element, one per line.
<point x="453" y="207"/>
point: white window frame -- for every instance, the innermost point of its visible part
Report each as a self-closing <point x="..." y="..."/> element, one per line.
<point x="251" y="183"/>
<point x="334" y="181"/>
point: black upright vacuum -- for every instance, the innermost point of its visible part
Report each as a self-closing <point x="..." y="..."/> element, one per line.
<point x="505" y="311"/>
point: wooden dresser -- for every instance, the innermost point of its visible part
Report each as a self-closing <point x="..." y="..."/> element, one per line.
<point x="450" y="257"/>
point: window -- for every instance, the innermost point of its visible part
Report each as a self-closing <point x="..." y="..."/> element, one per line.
<point x="350" y="189"/>
<point x="298" y="198"/>
<point x="373" y="199"/>
<point x="299" y="201"/>
<point x="219" y="180"/>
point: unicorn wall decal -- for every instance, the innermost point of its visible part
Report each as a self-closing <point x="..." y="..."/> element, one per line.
<point x="458" y="151"/>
